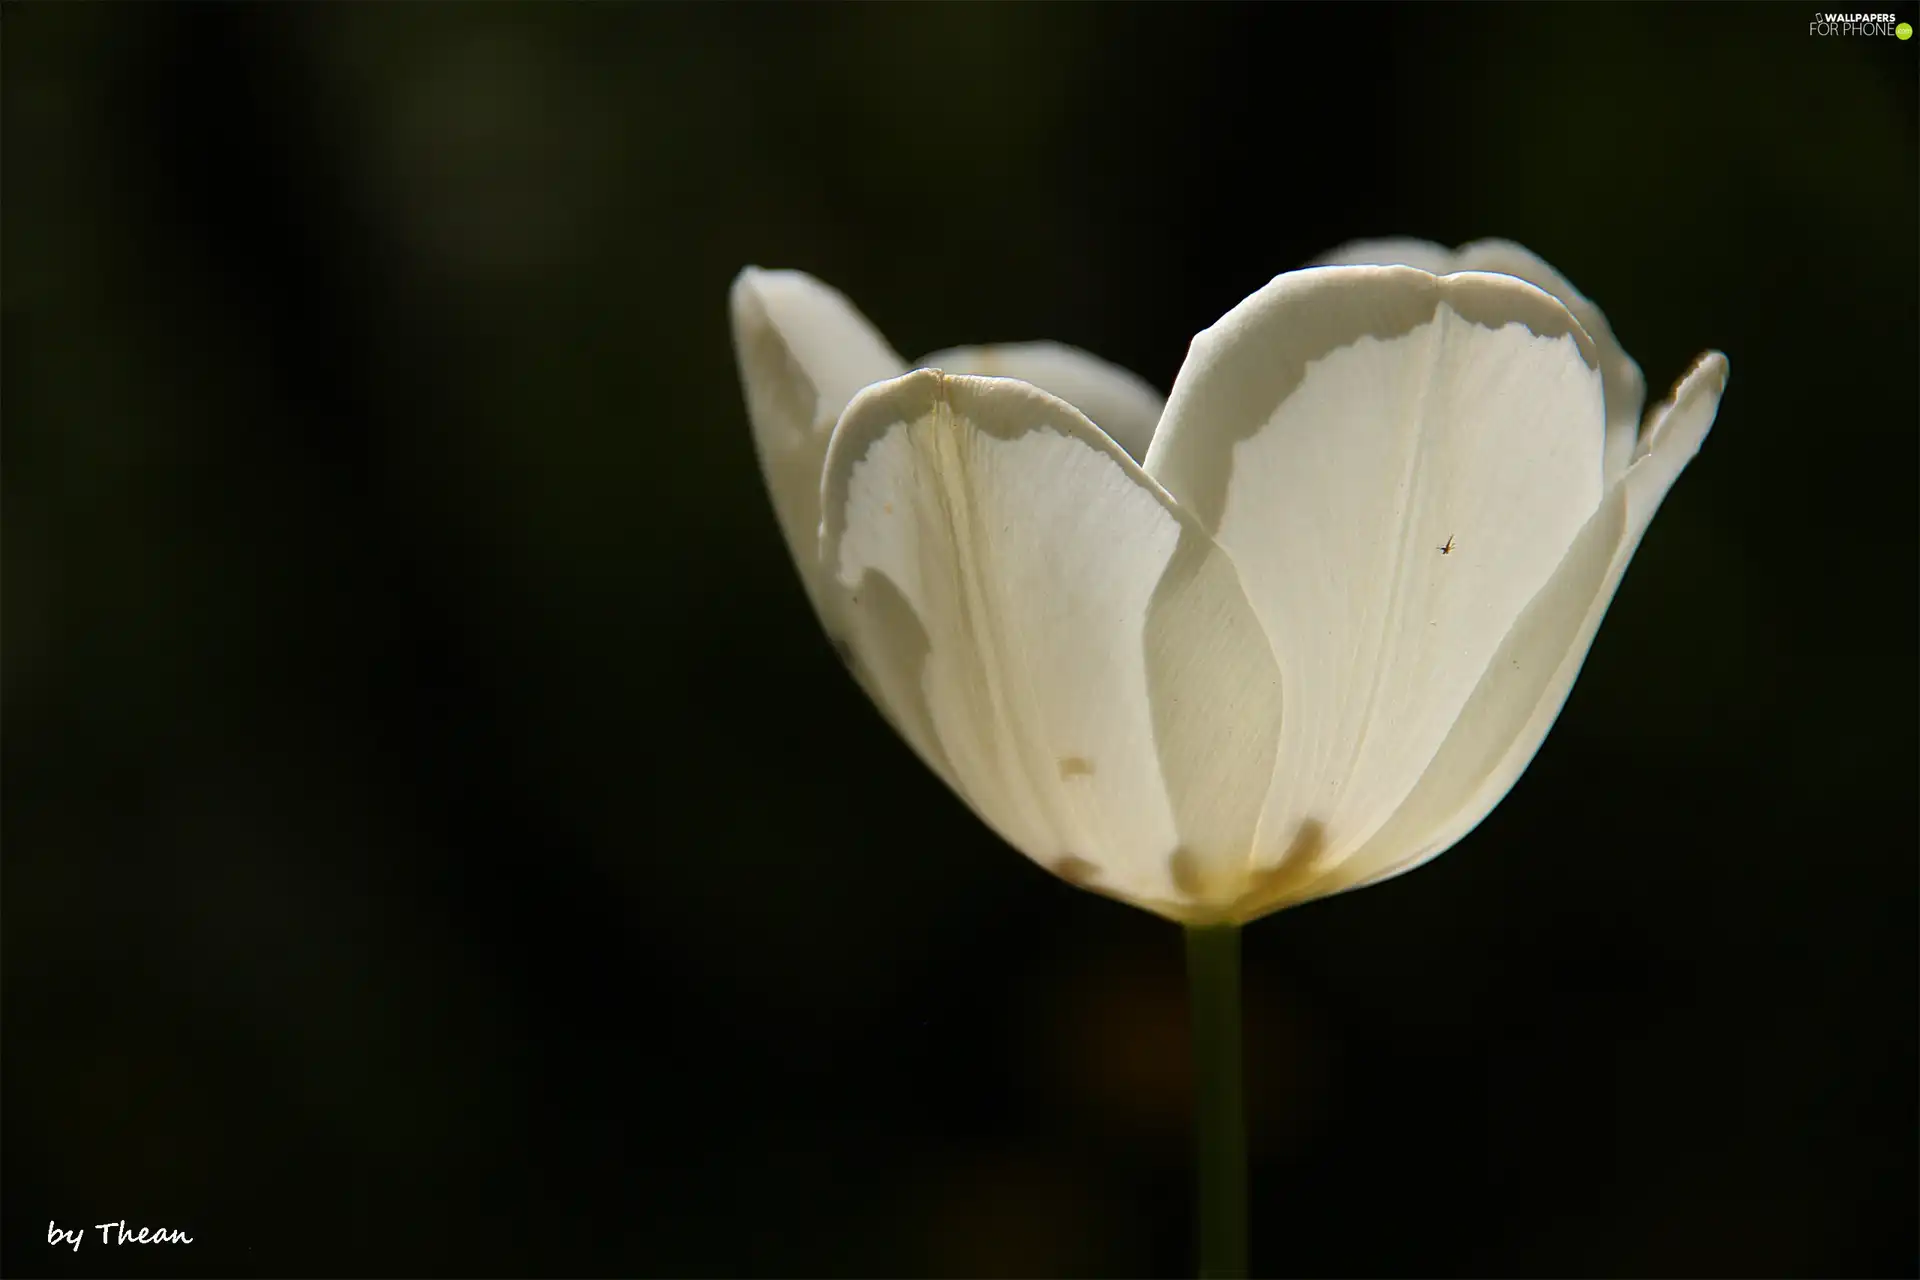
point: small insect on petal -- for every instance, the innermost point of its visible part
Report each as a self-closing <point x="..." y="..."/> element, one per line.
<point x="1448" y="549"/>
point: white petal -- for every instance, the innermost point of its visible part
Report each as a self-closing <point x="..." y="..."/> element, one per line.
<point x="1121" y="403"/>
<point x="1626" y="388"/>
<point x="1056" y="638"/>
<point x="1528" y="681"/>
<point x="1390" y="251"/>
<point x="1678" y="425"/>
<point x="803" y="352"/>
<point x="1336" y="431"/>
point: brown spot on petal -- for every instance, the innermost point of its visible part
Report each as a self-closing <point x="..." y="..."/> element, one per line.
<point x="1185" y="869"/>
<point x="1082" y="874"/>
<point x="1287" y="880"/>
<point x="1242" y="894"/>
<point x="1076" y="871"/>
<point x="1075" y="767"/>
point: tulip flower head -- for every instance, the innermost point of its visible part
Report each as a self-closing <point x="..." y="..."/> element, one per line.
<point x="1295" y="629"/>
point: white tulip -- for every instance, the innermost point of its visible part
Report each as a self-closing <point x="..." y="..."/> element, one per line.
<point x="1292" y="631"/>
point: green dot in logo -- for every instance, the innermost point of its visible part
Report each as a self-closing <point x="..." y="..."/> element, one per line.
<point x="1904" y="31"/>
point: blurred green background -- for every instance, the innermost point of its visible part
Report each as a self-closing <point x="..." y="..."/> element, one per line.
<point x="439" y="840"/>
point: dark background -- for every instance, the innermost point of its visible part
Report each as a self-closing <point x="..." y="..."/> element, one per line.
<point x="438" y="838"/>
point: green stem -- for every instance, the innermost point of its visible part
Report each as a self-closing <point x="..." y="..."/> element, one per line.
<point x="1213" y="987"/>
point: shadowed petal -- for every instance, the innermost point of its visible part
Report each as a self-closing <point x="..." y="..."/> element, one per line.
<point x="1626" y="389"/>
<point x="1054" y="635"/>
<point x="1122" y="404"/>
<point x="1396" y="464"/>
<point x="1527" y="682"/>
<point x="803" y="352"/>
